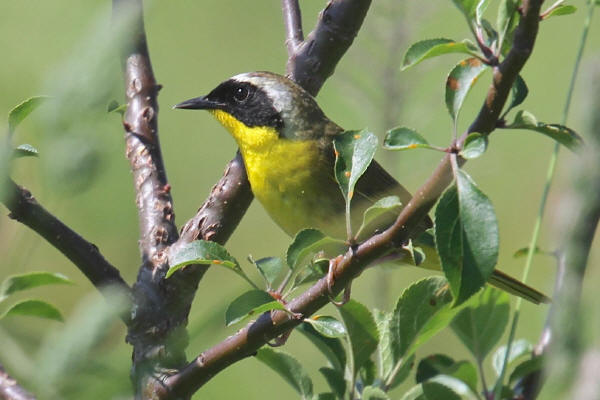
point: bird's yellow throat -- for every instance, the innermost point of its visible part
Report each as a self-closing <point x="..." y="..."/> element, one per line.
<point x="285" y="174"/>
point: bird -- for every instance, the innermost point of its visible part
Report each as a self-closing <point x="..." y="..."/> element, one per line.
<point x="286" y="142"/>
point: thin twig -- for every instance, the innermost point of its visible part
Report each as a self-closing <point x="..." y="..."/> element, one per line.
<point x="292" y="19"/>
<point x="85" y="255"/>
<point x="10" y="388"/>
<point x="348" y="266"/>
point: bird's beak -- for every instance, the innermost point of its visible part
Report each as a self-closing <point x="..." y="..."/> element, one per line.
<point x="199" y="103"/>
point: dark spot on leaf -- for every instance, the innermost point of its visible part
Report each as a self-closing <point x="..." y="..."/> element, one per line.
<point x="474" y="62"/>
<point x="452" y="83"/>
<point x="432" y="302"/>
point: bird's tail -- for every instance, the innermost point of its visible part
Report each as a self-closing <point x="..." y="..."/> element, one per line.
<point x="511" y="285"/>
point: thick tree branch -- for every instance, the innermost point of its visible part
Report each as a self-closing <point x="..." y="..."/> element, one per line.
<point x="348" y="266"/>
<point x="292" y="19"/>
<point x="153" y="198"/>
<point x="316" y="57"/>
<point x="10" y="388"/>
<point x="85" y="255"/>
<point x="160" y="311"/>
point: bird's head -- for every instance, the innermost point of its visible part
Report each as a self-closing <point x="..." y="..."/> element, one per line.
<point x="263" y="100"/>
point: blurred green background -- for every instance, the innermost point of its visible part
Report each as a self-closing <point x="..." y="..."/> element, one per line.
<point x="65" y="49"/>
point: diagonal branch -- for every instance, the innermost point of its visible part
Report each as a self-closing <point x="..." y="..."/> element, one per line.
<point x="292" y="19"/>
<point x="316" y="57"/>
<point x="85" y="255"/>
<point x="348" y="266"/>
<point x="10" y="388"/>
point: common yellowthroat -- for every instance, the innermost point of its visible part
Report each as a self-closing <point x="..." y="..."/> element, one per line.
<point x="286" y="142"/>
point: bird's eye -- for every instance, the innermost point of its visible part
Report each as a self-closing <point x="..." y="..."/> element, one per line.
<point x="240" y="94"/>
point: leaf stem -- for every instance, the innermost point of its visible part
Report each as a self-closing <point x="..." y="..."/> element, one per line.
<point x="544" y="198"/>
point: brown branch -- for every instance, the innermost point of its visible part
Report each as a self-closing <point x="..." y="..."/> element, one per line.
<point x="292" y="19"/>
<point x="156" y="330"/>
<point x="10" y="388"/>
<point x="348" y="266"/>
<point x="85" y="255"/>
<point x="153" y="198"/>
<point x="316" y="57"/>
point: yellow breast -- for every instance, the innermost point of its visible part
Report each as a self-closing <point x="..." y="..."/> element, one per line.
<point x="289" y="177"/>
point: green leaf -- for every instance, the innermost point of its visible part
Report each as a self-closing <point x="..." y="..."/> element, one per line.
<point x="202" y="252"/>
<point x="25" y="150"/>
<point x="380" y="207"/>
<point x="416" y="254"/>
<point x="249" y="304"/>
<point x="526" y="367"/>
<point x="354" y="152"/>
<point x="403" y="372"/>
<point x="373" y="393"/>
<point x="415" y="393"/>
<point x="385" y="351"/>
<point x="518" y="348"/>
<point x="429" y="48"/>
<point x="563" y="135"/>
<point x="115" y="107"/>
<point x="21" y="111"/>
<point x="311" y="272"/>
<point x="289" y="369"/>
<point x="480" y="10"/>
<point x="491" y="34"/>
<point x="327" y="326"/>
<point x="507" y="15"/>
<point x="335" y="379"/>
<point x="270" y="268"/>
<point x="519" y="92"/>
<point x="367" y="373"/>
<point x="440" y="364"/>
<point x="448" y="388"/>
<point x="460" y="81"/>
<point x="431" y="366"/>
<point x="403" y="138"/>
<point x="30" y="280"/>
<point x="306" y="242"/>
<point x="362" y="332"/>
<point x="332" y="348"/>
<point x="475" y="145"/>
<point x="423" y="309"/>
<point x="466" y="233"/>
<point x="34" y="308"/>
<point x="480" y="325"/>
<point x="468" y="8"/>
<point x="560" y="10"/>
